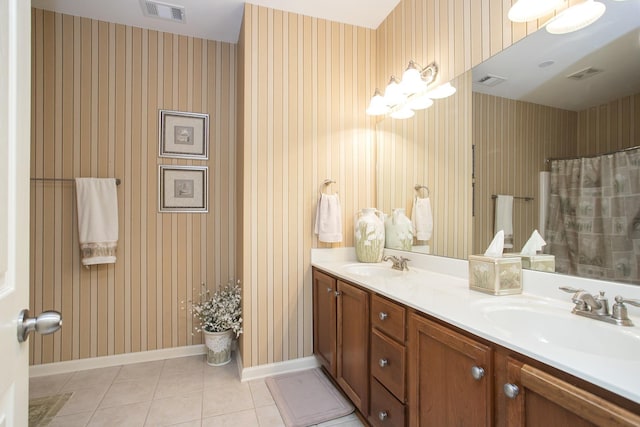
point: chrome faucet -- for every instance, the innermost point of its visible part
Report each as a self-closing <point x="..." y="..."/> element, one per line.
<point x="399" y="263"/>
<point x="597" y="307"/>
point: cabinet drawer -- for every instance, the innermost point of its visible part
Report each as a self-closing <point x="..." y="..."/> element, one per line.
<point x="388" y="363"/>
<point x="389" y="317"/>
<point x="386" y="410"/>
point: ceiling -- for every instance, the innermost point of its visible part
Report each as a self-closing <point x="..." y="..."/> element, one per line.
<point x="611" y="44"/>
<point x="220" y="19"/>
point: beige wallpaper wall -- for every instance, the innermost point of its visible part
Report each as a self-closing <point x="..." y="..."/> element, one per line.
<point x="305" y="84"/>
<point x="97" y="88"/>
<point x="512" y="139"/>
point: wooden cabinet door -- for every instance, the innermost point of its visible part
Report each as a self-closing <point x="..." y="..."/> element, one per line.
<point x="324" y="320"/>
<point x="353" y="344"/>
<point x="537" y="398"/>
<point x="442" y="388"/>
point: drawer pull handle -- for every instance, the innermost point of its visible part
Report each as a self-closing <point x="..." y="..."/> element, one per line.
<point x="383" y="362"/>
<point x="382" y="315"/>
<point x="329" y="290"/>
<point x="511" y="390"/>
<point x="337" y="293"/>
<point x="477" y="372"/>
<point x="382" y="415"/>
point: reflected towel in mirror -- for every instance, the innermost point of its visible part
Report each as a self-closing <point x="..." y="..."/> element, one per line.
<point x="422" y="218"/>
<point x="504" y="218"/>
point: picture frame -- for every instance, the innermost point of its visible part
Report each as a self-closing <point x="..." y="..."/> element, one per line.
<point x="183" y="189"/>
<point x="183" y="135"/>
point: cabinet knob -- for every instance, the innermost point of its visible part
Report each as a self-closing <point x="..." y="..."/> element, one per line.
<point x="383" y="362"/>
<point x="511" y="390"/>
<point x="337" y="293"/>
<point x="477" y="372"/>
<point x="329" y="290"/>
<point x="382" y="415"/>
<point x="382" y="315"/>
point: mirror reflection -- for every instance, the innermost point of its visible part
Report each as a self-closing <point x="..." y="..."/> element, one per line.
<point x="548" y="96"/>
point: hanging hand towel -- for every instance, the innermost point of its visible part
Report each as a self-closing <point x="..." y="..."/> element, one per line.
<point x="329" y="219"/>
<point x="422" y="218"/>
<point x="97" y="220"/>
<point x="504" y="218"/>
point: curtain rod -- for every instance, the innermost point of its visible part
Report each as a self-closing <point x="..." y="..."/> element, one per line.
<point x="525" y="198"/>
<point x="622" y="150"/>
<point x="65" y="180"/>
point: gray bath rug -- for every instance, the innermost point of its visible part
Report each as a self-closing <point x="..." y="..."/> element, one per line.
<point x="43" y="409"/>
<point x="307" y="397"/>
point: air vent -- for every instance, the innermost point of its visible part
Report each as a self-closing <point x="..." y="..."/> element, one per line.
<point x="584" y="74"/>
<point x="154" y="9"/>
<point x="491" y="80"/>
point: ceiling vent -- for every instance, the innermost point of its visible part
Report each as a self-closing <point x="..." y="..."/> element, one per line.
<point x="154" y="9"/>
<point x="584" y="74"/>
<point x="491" y="80"/>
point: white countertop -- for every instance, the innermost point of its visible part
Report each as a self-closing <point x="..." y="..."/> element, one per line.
<point x="537" y="323"/>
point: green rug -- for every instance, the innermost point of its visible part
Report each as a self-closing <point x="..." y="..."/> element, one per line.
<point x="43" y="409"/>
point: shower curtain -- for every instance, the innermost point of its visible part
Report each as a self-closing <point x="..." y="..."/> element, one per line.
<point x="593" y="222"/>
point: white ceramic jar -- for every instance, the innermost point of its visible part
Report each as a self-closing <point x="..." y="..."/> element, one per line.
<point x="398" y="231"/>
<point x="369" y="235"/>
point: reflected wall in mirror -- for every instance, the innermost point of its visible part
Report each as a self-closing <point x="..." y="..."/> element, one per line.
<point x="513" y="137"/>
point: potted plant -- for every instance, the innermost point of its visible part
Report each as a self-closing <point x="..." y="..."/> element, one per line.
<point x="220" y="318"/>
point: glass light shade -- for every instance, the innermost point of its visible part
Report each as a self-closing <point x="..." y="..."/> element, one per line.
<point x="528" y="10"/>
<point x="393" y="93"/>
<point x="403" y="113"/>
<point x="420" y="102"/>
<point x="412" y="81"/>
<point x="576" y="17"/>
<point x="377" y="105"/>
<point x="442" y="91"/>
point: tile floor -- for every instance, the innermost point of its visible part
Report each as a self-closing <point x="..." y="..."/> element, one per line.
<point x="173" y="392"/>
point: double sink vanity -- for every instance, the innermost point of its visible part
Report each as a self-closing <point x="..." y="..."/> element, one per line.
<point x="418" y="347"/>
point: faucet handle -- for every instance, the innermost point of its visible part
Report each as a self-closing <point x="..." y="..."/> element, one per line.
<point x="619" y="311"/>
<point x="621" y="300"/>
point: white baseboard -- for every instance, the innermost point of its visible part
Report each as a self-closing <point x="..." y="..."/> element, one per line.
<point x="115" y="360"/>
<point x="262" y="371"/>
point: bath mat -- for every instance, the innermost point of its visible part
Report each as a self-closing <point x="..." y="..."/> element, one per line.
<point x="43" y="409"/>
<point x="307" y="397"/>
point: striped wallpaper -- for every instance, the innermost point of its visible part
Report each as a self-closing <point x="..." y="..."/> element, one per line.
<point x="304" y="87"/>
<point x="97" y="88"/>
<point x="512" y="139"/>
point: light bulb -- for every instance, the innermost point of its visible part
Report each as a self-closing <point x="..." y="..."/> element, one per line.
<point x="377" y="106"/>
<point x="442" y="91"/>
<point x="529" y="10"/>
<point x="393" y="93"/>
<point x="403" y="113"/>
<point x="576" y="17"/>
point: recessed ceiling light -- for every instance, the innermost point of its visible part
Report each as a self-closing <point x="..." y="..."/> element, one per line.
<point x="546" y="64"/>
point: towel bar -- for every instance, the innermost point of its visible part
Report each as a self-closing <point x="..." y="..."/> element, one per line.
<point x="419" y="187"/>
<point x="525" y="198"/>
<point x="65" y="180"/>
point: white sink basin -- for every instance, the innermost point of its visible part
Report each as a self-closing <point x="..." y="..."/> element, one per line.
<point x="373" y="270"/>
<point x="560" y="328"/>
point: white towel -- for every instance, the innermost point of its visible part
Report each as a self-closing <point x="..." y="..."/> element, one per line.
<point x="329" y="219"/>
<point x="504" y="218"/>
<point x="97" y="220"/>
<point x="422" y="218"/>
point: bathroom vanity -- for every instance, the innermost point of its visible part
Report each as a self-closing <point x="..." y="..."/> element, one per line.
<point x="419" y="348"/>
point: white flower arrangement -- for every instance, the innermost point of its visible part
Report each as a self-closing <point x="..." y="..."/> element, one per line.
<point x="220" y="312"/>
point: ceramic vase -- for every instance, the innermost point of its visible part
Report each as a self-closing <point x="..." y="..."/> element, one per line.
<point x="369" y="236"/>
<point x="218" y="347"/>
<point x="398" y="231"/>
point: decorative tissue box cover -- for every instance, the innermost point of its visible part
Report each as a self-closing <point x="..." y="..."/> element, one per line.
<point x="540" y="262"/>
<point x="497" y="276"/>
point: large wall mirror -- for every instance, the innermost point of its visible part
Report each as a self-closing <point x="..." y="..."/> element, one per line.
<point x="547" y="96"/>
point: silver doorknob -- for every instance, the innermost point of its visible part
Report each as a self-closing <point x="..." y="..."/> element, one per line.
<point x="47" y="323"/>
<point x="382" y="415"/>
<point x="511" y="390"/>
<point x="477" y="372"/>
<point x="382" y="315"/>
<point x="383" y="362"/>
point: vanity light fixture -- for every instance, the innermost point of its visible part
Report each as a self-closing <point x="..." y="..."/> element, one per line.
<point x="529" y="10"/>
<point x="576" y="17"/>
<point x="420" y="102"/>
<point x="442" y="91"/>
<point x="416" y="78"/>
<point x="377" y="106"/>
<point x="403" y="113"/>
<point x="393" y="93"/>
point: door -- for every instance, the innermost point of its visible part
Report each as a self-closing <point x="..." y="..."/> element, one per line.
<point x="324" y="320"/>
<point x="15" y="99"/>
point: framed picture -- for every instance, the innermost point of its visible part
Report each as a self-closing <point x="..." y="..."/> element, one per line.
<point x="183" y="188"/>
<point x="184" y="135"/>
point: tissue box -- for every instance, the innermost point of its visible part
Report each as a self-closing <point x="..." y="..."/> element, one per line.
<point x="540" y="262"/>
<point x="497" y="276"/>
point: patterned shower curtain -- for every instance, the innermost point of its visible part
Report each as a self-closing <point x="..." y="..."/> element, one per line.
<point x="593" y="223"/>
